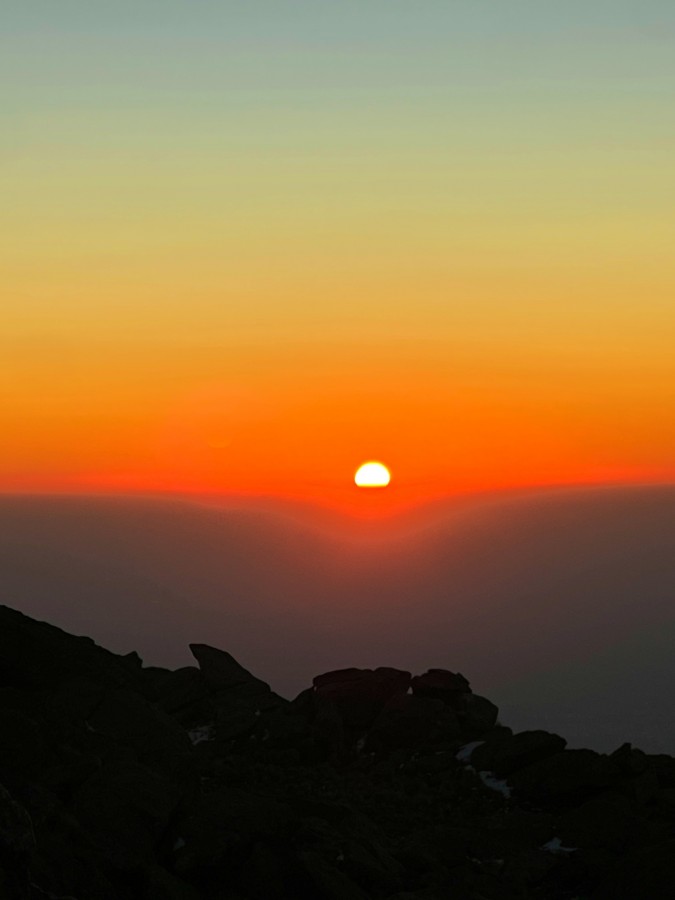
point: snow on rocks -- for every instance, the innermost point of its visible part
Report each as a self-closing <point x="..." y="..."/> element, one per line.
<point x="201" y="733"/>
<point x="495" y="784"/>
<point x="463" y="755"/>
<point x="555" y="846"/>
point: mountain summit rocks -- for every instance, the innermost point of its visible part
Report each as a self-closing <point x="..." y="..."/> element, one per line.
<point x="125" y="782"/>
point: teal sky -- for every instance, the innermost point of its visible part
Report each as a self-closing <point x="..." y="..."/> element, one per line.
<point x="375" y="45"/>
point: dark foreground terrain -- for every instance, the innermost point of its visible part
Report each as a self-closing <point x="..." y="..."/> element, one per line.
<point x="119" y="781"/>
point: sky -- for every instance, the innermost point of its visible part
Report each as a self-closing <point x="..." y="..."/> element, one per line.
<point x="247" y="246"/>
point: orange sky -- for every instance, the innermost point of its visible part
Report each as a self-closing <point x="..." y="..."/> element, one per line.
<point x="297" y="421"/>
<point x="244" y="261"/>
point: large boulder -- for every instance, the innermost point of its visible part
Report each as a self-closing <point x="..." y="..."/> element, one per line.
<point x="126" y="718"/>
<point x="566" y="778"/>
<point x="408" y="721"/>
<point x="74" y="698"/>
<point x="360" y="694"/>
<point x="183" y="694"/>
<point x="630" y="760"/>
<point x="220" y="670"/>
<point x="506" y="752"/>
<point x="124" y="809"/>
<point x="441" y="684"/>
<point x="35" y="655"/>
<point x="477" y="715"/>
<point x="606" y="822"/>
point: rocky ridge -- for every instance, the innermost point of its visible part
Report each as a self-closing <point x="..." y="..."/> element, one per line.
<point x="124" y="781"/>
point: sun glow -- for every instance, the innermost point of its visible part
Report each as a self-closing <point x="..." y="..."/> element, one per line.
<point x="372" y="475"/>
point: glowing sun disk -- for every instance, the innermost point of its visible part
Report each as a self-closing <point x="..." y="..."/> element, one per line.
<point x="372" y="474"/>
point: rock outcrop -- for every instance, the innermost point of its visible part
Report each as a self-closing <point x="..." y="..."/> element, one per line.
<point x="125" y="782"/>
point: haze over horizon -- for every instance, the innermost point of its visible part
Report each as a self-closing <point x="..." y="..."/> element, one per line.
<point x="558" y="605"/>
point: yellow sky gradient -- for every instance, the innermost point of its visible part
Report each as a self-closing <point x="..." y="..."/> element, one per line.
<point x="249" y="267"/>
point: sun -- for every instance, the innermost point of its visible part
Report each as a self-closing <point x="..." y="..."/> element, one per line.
<point x="372" y="475"/>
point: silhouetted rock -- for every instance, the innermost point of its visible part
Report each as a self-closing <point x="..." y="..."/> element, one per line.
<point x="183" y="694"/>
<point x="647" y="872"/>
<point x="506" y="752"/>
<point x="567" y="777"/>
<point x="477" y="714"/>
<point x="125" y="782"/>
<point x="440" y="684"/>
<point x="124" y="809"/>
<point x="128" y="719"/>
<point x="35" y="655"/>
<point x="17" y="843"/>
<point x="664" y="767"/>
<point x="359" y="694"/>
<point x="606" y="821"/>
<point x="408" y="721"/>
<point x="220" y="670"/>
<point x="221" y="828"/>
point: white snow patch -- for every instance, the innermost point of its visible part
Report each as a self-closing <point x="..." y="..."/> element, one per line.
<point x="555" y="846"/>
<point x="495" y="784"/>
<point x="201" y="733"/>
<point x="464" y="753"/>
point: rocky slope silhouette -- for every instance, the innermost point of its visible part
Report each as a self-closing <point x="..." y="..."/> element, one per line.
<point x="124" y="781"/>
